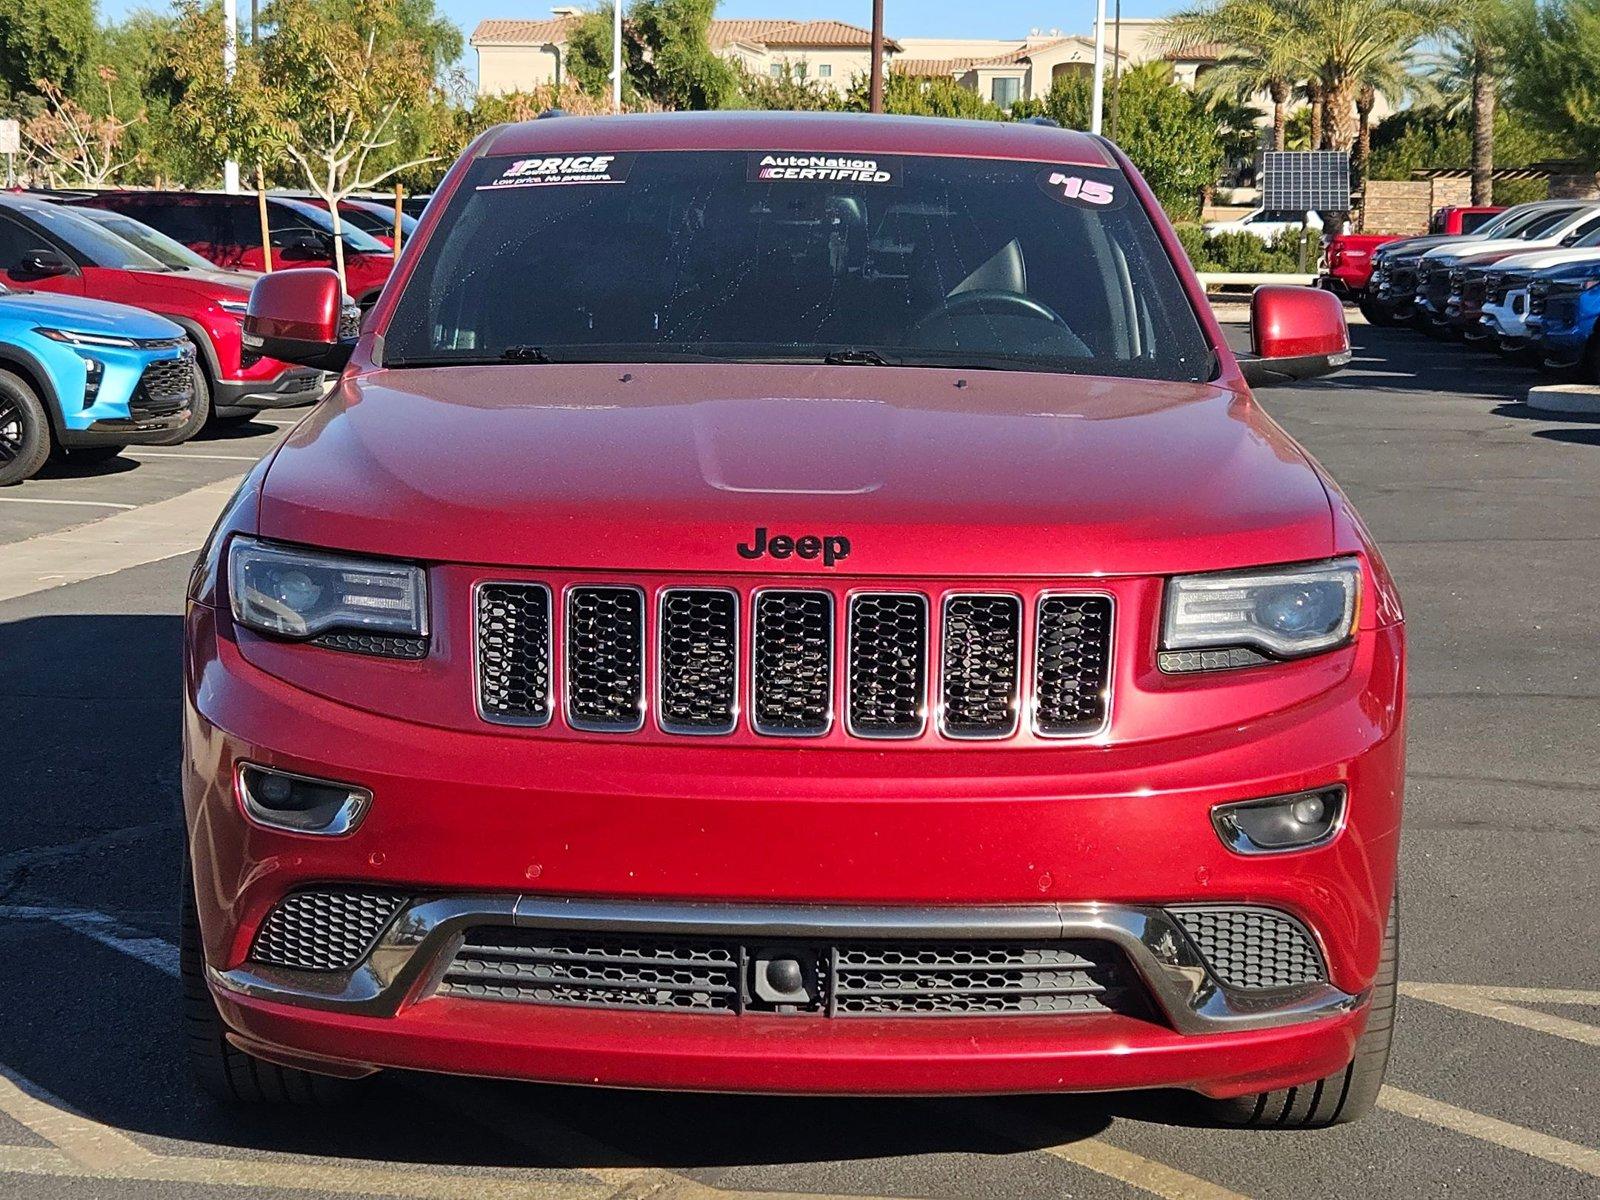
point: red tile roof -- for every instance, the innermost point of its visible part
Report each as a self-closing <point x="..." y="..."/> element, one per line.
<point x="778" y="34"/>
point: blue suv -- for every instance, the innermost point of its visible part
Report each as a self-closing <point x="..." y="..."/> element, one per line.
<point x="1563" y="305"/>
<point x="85" y="378"/>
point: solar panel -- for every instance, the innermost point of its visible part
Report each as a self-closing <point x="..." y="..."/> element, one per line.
<point x="1302" y="180"/>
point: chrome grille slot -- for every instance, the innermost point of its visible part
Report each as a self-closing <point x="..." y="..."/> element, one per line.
<point x="888" y="665"/>
<point x="980" y="666"/>
<point x="605" y="658"/>
<point x="1071" y="665"/>
<point x="698" y="645"/>
<point x="792" y="663"/>
<point x="513" y="645"/>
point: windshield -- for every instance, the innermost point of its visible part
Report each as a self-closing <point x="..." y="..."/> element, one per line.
<point x="375" y="218"/>
<point x="152" y="241"/>
<point x="99" y="246"/>
<point x="781" y="257"/>
<point x="353" y="238"/>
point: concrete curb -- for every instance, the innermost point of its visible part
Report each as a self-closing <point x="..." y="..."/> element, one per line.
<point x="1568" y="399"/>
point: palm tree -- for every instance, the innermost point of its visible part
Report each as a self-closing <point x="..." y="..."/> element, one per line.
<point x="1260" y="56"/>
<point x="1330" y="47"/>
<point x="1466" y="75"/>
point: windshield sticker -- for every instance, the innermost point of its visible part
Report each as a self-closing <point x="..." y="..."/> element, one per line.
<point x="1072" y="187"/>
<point x="562" y="169"/>
<point x="824" y="168"/>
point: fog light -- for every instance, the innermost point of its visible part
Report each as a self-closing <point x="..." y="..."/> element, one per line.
<point x="300" y="804"/>
<point x="1294" y="822"/>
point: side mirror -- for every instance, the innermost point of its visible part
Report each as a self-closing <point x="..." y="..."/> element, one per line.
<point x="1295" y="333"/>
<point x="294" y="316"/>
<point x="41" y="264"/>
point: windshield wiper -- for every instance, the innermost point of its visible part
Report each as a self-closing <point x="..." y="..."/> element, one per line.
<point x="524" y="354"/>
<point x="856" y="357"/>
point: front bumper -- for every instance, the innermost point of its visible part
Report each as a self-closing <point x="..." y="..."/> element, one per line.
<point x="294" y="387"/>
<point x="493" y="827"/>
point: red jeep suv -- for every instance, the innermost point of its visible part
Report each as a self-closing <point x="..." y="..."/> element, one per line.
<point x="803" y="604"/>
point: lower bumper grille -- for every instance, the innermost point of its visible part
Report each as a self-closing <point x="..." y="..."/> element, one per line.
<point x="324" y="930"/>
<point x="165" y="387"/>
<point x="835" y="979"/>
<point x="1253" y="948"/>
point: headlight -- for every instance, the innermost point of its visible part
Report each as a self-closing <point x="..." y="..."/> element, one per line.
<point x="297" y="593"/>
<point x="72" y="338"/>
<point x="1287" y="612"/>
<point x="234" y="308"/>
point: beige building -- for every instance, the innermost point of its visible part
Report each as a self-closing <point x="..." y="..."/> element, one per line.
<point x="516" y="55"/>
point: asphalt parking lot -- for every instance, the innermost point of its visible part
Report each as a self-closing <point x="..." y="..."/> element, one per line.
<point x="1490" y="518"/>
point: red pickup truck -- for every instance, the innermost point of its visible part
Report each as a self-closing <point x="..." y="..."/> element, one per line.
<point x="1347" y="261"/>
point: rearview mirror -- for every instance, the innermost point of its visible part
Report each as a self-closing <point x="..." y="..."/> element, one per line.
<point x="1295" y="333"/>
<point x="41" y="264"/>
<point x="294" y="317"/>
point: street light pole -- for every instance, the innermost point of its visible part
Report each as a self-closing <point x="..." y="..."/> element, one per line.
<point x="230" y="59"/>
<point x="616" y="56"/>
<point x="876" y="92"/>
<point x="1098" y="99"/>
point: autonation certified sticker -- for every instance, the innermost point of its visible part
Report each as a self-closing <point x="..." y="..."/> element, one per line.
<point x="823" y="168"/>
<point x="563" y="169"/>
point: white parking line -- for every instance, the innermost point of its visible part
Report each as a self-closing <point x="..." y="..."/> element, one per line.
<point x="1491" y="1002"/>
<point x="1489" y="1129"/>
<point x="115" y="543"/>
<point x="78" y="503"/>
<point x="151" y="950"/>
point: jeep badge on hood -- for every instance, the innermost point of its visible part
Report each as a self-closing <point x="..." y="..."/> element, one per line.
<point x="829" y="549"/>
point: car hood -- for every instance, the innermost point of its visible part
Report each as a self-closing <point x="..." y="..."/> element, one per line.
<point x="671" y="467"/>
<point x="1484" y="246"/>
<point x="82" y="315"/>
<point x="217" y="284"/>
<point x="1548" y="258"/>
<point x="1417" y="246"/>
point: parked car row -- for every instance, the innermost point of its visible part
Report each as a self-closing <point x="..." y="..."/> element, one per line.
<point x="114" y="332"/>
<point x="1523" y="283"/>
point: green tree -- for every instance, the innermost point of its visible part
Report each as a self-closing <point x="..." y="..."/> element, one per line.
<point x="1264" y="55"/>
<point x="1553" y="58"/>
<point x="318" y="96"/>
<point x="1164" y="128"/>
<point x="1330" y="48"/>
<point x="908" y="95"/>
<point x="43" y="39"/>
<point x="1415" y="139"/>
<point x="679" y="68"/>
<point x="788" y="92"/>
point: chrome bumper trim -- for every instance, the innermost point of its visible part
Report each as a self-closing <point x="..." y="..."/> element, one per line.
<point x="417" y="948"/>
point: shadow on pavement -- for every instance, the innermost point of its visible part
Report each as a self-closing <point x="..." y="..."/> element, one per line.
<point x="92" y="823"/>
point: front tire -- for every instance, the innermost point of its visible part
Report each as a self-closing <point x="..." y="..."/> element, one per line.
<point x="199" y="413"/>
<point x="1376" y="314"/>
<point x="220" y="1068"/>
<point x="24" y="430"/>
<point x="1346" y="1095"/>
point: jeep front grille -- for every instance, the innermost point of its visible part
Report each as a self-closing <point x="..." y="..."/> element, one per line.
<point x="721" y="975"/>
<point x="699" y="660"/>
<point x="792" y="663"/>
<point x="984" y="663"/>
<point x="1252" y="948"/>
<point x="888" y="665"/>
<point x="514" y="670"/>
<point x="981" y="665"/>
<point x="605" y="658"/>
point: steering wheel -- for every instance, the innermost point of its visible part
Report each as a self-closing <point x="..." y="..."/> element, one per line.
<point x="1025" y="306"/>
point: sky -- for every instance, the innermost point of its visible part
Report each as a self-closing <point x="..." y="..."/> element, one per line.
<point x="902" y="18"/>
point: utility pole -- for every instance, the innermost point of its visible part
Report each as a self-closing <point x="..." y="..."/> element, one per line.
<point x="876" y="92"/>
<point x="230" y="59"/>
<point x="1098" y="100"/>
<point x="1116" y="70"/>
<point x="616" y="56"/>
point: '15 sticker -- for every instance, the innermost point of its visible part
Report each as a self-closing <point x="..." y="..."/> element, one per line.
<point x="1074" y="188"/>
